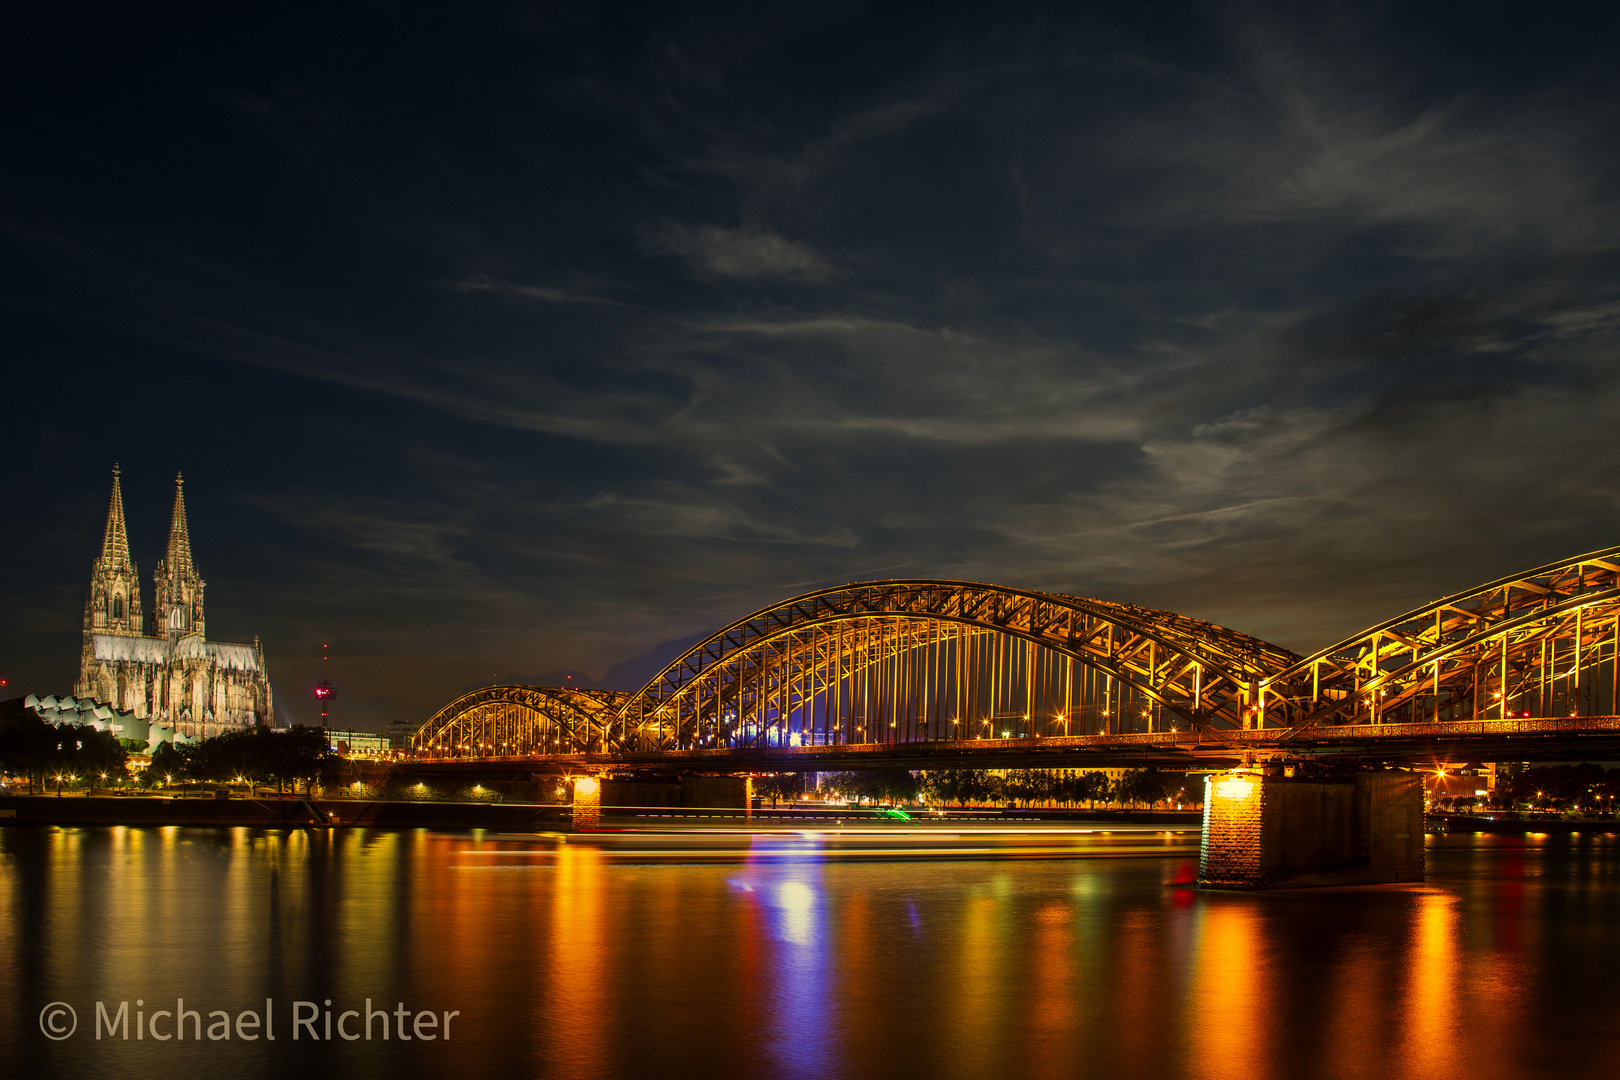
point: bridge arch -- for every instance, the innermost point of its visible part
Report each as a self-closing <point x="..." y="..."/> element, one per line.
<point x="925" y="660"/>
<point x="511" y="720"/>
<point x="1542" y="643"/>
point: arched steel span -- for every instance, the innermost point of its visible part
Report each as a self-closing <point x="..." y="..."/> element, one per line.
<point x="924" y="661"/>
<point x="929" y="660"/>
<point x="1538" y="644"/>
<point x="523" y="720"/>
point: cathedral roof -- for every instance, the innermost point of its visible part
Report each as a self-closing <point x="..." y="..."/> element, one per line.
<point x="153" y="650"/>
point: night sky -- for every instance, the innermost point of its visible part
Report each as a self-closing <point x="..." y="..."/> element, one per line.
<point x="501" y="343"/>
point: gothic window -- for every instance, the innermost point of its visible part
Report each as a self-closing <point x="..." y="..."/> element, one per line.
<point x="118" y="607"/>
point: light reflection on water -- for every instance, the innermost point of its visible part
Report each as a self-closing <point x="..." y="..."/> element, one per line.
<point x="782" y="962"/>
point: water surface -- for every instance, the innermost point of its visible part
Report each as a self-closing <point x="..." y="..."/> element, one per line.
<point x="784" y="960"/>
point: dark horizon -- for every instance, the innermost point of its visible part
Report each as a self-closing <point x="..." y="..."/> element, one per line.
<point x="504" y="344"/>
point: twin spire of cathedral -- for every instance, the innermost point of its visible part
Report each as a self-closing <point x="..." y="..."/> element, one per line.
<point x="115" y="545"/>
<point x="179" y="587"/>
<point x="164" y="671"/>
<point x="115" y="600"/>
<point x="178" y="557"/>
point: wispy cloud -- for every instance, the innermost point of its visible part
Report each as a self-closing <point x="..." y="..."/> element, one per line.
<point x="737" y="253"/>
<point x="483" y="283"/>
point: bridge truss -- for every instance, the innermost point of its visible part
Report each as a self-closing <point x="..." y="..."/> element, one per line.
<point x="508" y="720"/>
<point x="926" y="660"/>
<point x="1538" y="644"/>
<point x="942" y="663"/>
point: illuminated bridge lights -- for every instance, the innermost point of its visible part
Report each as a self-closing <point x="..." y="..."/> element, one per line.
<point x="927" y="662"/>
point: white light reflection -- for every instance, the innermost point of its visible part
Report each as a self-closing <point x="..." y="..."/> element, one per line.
<point x="797" y="958"/>
<point x="796" y="904"/>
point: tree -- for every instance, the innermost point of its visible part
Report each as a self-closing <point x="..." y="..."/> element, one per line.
<point x="81" y="750"/>
<point x="1586" y="786"/>
<point x="777" y="786"/>
<point x="984" y="787"/>
<point x="876" y="785"/>
<point x="169" y="760"/>
<point x="960" y="787"/>
<point x="1142" y="786"/>
<point x="1096" y="787"/>
<point x="257" y="754"/>
<point x="28" y="745"/>
<point x="1027" y="786"/>
<point x="1190" y="791"/>
<point x="898" y="785"/>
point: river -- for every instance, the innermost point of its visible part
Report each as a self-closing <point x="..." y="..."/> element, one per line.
<point x="789" y="956"/>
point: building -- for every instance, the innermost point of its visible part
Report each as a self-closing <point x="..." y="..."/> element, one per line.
<point x="358" y="743"/>
<point x="170" y="674"/>
<point x="123" y="724"/>
<point x="398" y="733"/>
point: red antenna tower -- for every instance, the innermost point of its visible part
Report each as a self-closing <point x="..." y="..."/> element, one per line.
<point x="323" y="689"/>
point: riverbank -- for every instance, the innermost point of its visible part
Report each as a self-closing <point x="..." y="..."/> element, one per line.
<point x="297" y="812"/>
<point x="1465" y="823"/>
<point x="274" y="812"/>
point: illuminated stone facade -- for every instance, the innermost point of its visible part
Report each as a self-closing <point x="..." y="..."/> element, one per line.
<point x="1229" y="853"/>
<point x="172" y="675"/>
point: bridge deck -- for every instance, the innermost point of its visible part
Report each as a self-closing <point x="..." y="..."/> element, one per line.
<point x="1526" y="739"/>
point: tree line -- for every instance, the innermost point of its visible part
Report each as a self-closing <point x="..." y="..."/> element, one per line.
<point x="41" y="752"/>
<point x="1585" y="787"/>
<point x="299" y="755"/>
<point x="31" y="748"/>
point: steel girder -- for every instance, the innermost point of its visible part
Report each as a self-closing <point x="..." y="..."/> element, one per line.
<point x="1535" y="643"/>
<point x="521" y="720"/>
<point x="1545" y="643"/>
<point x="1206" y="674"/>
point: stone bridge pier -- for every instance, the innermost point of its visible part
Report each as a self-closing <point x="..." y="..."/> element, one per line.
<point x="1267" y="830"/>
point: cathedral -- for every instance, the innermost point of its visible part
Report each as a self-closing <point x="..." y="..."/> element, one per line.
<point x="171" y="675"/>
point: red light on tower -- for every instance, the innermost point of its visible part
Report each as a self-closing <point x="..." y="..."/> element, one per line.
<point x="323" y="689"/>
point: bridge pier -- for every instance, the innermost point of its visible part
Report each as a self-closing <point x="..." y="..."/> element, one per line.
<point x="587" y="813"/>
<point x="1275" y="832"/>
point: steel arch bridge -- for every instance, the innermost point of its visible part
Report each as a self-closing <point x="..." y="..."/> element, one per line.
<point x="505" y="720"/>
<point x="960" y="667"/>
<point x="928" y="660"/>
<point x="1538" y="644"/>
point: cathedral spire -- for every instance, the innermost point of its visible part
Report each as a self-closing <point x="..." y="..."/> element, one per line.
<point x="114" y="604"/>
<point x="179" y="607"/>
<point x="115" y="544"/>
<point x="178" y="558"/>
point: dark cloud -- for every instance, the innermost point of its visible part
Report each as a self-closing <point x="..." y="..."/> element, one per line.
<point x="513" y="347"/>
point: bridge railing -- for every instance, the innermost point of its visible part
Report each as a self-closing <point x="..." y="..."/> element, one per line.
<point x="1259" y="739"/>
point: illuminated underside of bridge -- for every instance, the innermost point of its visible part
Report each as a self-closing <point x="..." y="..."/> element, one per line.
<point x="924" y="673"/>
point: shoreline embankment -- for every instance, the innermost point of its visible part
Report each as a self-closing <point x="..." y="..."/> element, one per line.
<point x="297" y="812"/>
<point x="1466" y="823"/>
